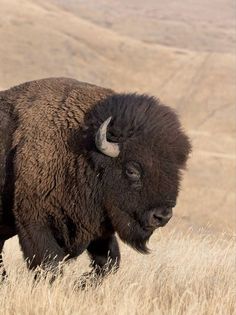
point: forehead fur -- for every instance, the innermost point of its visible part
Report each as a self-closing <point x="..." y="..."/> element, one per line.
<point x="142" y="119"/>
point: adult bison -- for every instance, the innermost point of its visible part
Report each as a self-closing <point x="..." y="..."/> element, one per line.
<point x="80" y="162"/>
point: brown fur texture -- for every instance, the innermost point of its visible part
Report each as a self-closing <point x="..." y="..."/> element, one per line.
<point x="61" y="195"/>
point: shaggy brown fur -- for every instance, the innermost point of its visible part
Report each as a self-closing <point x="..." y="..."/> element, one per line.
<point x="60" y="194"/>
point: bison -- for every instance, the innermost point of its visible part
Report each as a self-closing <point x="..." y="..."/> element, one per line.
<point x="79" y="163"/>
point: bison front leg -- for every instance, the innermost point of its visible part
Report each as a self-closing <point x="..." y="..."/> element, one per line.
<point x="39" y="246"/>
<point x="104" y="254"/>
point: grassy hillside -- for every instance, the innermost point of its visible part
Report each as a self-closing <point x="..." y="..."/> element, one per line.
<point x="193" y="24"/>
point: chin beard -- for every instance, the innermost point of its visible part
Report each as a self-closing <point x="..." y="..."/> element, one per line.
<point x="137" y="238"/>
<point x="129" y="230"/>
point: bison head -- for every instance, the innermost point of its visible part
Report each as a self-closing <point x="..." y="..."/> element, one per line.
<point x="138" y="151"/>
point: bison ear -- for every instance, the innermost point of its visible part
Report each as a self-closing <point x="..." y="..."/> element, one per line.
<point x="108" y="148"/>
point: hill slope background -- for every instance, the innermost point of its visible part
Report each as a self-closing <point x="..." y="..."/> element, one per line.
<point x="183" y="53"/>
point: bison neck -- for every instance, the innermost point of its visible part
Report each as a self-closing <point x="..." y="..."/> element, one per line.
<point x="80" y="216"/>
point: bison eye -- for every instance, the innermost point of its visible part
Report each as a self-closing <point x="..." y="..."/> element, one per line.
<point x="133" y="171"/>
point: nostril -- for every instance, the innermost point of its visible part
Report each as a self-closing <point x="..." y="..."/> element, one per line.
<point x="158" y="218"/>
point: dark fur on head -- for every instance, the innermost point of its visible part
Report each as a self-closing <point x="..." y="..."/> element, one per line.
<point x="150" y="135"/>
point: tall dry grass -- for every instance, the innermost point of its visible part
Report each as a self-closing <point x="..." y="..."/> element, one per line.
<point x="186" y="273"/>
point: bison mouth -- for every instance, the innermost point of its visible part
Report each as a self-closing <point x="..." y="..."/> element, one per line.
<point x="132" y="231"/>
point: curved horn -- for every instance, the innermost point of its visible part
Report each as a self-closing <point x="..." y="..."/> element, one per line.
<point x="107" y="148"/>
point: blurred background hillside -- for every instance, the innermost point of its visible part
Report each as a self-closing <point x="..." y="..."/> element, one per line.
<point x="180" y="51"/>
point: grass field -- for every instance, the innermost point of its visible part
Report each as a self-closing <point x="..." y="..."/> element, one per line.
<point x="186" y="273"/>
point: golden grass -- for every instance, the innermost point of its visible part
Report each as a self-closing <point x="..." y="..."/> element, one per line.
<point x="186" y="273"/>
